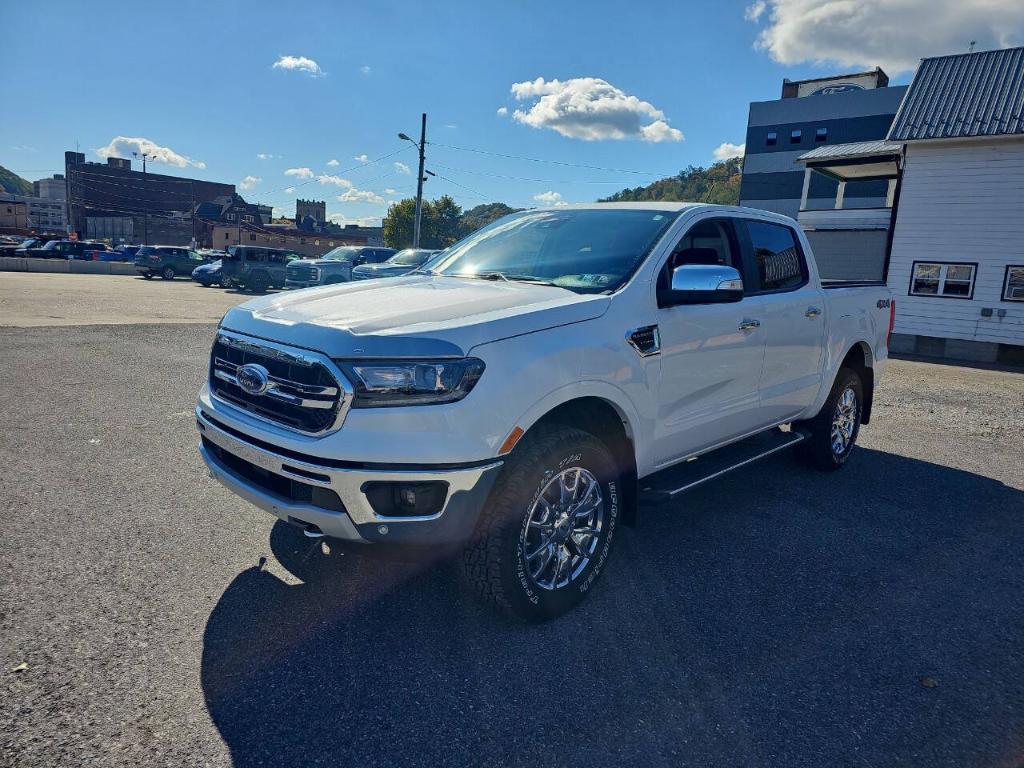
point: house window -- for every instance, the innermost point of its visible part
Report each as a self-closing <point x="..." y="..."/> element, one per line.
<point x="821" y="134"/>
<point x="1013" y="283"/>
<point x="773" y="139"/>
<point x="795" y="136"/>
<point x="316" y="242"/>
<point x="247" y="218"/>
<point x="230" y="217"/>
<point x="954" y="281"/>
<point x="252" y="238"/>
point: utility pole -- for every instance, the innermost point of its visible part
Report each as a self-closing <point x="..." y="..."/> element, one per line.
<point x="145" y="238"/>
<point x="419" y="184"/>
<point x="419" y="179"/>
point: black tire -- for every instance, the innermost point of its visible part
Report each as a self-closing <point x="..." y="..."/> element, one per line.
<point x="167" y="273"/>
<point x="148" y="275"/>
<point x="260" y="282"/>
<point x="819" y="450"/>
<point x="495" y="558"/>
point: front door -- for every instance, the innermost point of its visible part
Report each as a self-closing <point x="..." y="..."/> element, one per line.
<point x="711" y="355"/>
<point x="792" y="314"/>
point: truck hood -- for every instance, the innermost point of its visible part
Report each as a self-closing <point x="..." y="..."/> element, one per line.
<point x="410" y="316"/>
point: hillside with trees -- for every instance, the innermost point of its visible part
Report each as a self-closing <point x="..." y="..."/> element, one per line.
<point x="720" y="183"/>
<point x="13" y="184"/>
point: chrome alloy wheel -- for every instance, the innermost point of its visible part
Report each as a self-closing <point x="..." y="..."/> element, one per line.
<point x="844" y="421"/>
<point x="563" y="528"/>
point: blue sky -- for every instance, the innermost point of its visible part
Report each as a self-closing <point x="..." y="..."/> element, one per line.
<point x="198" y="80"/>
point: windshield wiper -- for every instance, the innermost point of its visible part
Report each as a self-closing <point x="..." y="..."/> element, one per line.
<point x="508" y="278"/>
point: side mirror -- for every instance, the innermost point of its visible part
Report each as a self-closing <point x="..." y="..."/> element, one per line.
<point x="703" y="284"/>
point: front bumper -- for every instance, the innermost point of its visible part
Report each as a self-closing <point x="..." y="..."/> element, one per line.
<point x="300" y="283"/>
<point x="258" y="475"/>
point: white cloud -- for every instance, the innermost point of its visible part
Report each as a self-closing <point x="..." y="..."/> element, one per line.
<point x="754" y="10"/>
<point x="336" y="180"/>
<point x="332" y="163"/>
<point x="549" y="198"/>
<point x="451" y="126"/>
<point x="281" y="213"/>
<point x="300" y="173"/>
<point x="402" y="168"/>
<point x="365" y="69"/>
<point x="299" y="64"/>
<point x="364" y="221"/>
<point x="249" y="182"/>
<point x="502" y="111"/>
<point x="361" y="158"/>
<point x="892" y="34"/>
<point x="725" y="150"/>
<point x="265" y="156"/>
<point x="289" y="190"/>
<point x="390" y="191"/>
<point x="361" y="196"/>
<point x="123" y="146"/>
<point x="591" y="109"/>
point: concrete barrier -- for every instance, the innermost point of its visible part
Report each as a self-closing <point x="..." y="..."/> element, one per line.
<point x="65" y="266"/>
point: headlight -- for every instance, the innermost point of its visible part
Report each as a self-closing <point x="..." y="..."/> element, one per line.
<point x="411" y="382"/>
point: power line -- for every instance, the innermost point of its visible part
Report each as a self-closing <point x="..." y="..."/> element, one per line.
<point x="553" y="162"/>
<point x="316" y="177"/>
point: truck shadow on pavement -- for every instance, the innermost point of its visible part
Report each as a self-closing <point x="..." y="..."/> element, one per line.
<point x="783" y="617"/>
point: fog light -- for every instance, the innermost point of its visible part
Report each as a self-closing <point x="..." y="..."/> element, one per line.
<point x="406" y="499"/>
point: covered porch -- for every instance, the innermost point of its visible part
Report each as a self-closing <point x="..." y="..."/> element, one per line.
<point x="851" y="243"/>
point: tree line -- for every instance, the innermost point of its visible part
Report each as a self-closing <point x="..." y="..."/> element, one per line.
<point x="444" y="222"/>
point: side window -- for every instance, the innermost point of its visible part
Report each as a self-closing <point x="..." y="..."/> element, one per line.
<point x="941" y="279"/>
<point x="1013" y="283"/>
<point x="711" y="241"/>
<point x="778" y="259"/>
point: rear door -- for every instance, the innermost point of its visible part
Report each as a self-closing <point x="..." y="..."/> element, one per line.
<point x="791" y="312"/>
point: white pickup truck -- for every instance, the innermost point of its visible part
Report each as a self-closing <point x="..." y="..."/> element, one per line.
<point x="548" y="376"/>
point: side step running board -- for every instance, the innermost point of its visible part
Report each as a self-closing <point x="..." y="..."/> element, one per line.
<point x="669" y="483"/>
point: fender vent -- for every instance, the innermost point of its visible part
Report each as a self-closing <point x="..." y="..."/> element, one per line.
<point x="646" y="341"/>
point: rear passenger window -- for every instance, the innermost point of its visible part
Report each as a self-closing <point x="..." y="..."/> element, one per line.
<point x="777" y="257"/>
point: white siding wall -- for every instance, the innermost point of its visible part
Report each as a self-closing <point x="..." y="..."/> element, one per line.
<point x="961" y="202"/>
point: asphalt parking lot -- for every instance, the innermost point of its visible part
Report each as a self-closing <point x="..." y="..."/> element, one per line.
<point x="872" y="617"/>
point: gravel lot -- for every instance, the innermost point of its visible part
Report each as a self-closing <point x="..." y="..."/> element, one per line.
<point x="781" y="617"/>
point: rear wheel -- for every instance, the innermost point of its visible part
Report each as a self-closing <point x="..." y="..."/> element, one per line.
<point x="148" y="275"/>
<point x="833" y="432"/>
<point x="260" y="282"/>
<point x="547" y="531"/>
<point x="167" y="273"/>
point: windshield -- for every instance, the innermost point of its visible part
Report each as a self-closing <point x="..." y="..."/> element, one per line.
<point x="410" y="257"/>
<point x="340" y="254"/>
<point x="52" y="245"/>
<point x="28" y="243"/>
<point x="585" y="250"/>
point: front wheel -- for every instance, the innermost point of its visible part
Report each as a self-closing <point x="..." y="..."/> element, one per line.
<point x="167" y="273"/>
<point x="547" y="531"/>
<point x="833" y="432"/>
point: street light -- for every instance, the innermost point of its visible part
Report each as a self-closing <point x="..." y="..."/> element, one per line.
<point x="419" y="179"/>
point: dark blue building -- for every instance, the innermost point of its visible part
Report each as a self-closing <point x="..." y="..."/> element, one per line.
<point x="814" y="113"/>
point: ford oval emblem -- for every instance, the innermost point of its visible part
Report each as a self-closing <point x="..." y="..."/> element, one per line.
<point x="253" y="379"/>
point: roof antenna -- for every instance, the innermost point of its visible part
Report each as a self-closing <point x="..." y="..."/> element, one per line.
<point x="971" y="49"/>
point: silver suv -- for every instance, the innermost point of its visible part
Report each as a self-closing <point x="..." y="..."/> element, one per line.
<point x="334" y="266"/>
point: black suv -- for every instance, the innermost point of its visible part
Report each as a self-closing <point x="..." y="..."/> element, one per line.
<point x="168" y="261"/>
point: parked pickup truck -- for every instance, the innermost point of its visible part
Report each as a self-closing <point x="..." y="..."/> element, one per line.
<point x="334" y="266"/>
<point x="548" y="376"/>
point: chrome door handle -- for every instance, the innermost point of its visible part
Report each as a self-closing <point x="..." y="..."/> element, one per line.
<point x="812" y="312"/>
<point x="749" y="325"/>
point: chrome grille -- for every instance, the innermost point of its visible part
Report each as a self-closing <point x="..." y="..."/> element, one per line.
<point x="304" y="391"/>
<point x="303" y="273"/>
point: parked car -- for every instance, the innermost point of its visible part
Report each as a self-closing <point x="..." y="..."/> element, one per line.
<point x="89" y="251"/>
<point x="121" y="253"/>
<point x="401" y="263"/>
<point x="255" y="268"/>
<point x="168" y="261"/>
<point x="208" y="274"/>
<point x="335" y="266"/>
<point x="62" y="249"/>
<point x="21" y="247"/>
<point x="550" y="373"/>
